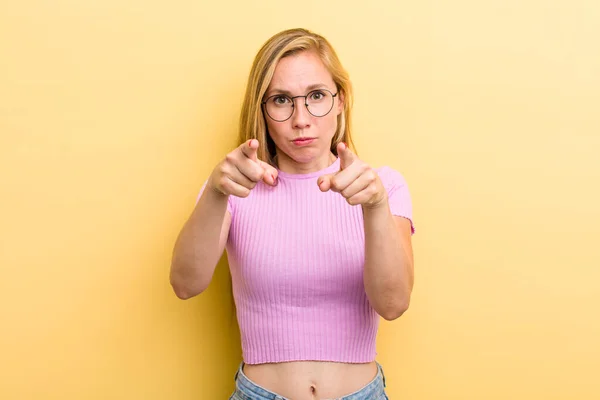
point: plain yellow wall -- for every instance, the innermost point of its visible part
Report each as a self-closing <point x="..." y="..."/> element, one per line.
<point x="113" y="113"/>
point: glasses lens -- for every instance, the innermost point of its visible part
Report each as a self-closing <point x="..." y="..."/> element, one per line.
<point x="279" y="107"/>
<point x="319" y="102"/>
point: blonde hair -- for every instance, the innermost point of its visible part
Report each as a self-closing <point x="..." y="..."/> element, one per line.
<point x="284" y="44"/>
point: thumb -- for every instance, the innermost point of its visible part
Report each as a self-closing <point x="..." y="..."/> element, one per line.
<point x="270" y="175"/>
<point x="347" y="157"/>
<point x="324" y="182"/>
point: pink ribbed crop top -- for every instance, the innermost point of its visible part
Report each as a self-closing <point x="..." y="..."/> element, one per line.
<point x="296" y="257"/>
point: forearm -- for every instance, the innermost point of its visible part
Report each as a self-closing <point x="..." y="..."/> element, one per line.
<point x="198" y="247"/>
<point x="388" y="274"/>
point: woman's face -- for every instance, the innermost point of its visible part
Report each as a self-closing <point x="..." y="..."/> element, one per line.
<point x="298" y="75"/>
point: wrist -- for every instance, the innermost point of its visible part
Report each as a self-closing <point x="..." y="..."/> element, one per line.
<point x="213" y="188"/>
<point x="377" y="206"/>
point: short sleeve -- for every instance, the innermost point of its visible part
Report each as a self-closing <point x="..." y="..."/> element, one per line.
<point x="398" y="194"/>
<point x="229" y="201"/>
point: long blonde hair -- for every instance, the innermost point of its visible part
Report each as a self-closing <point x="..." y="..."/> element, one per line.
<point x="284" y="44"/>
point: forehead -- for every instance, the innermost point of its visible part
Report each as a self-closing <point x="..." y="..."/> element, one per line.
<point x="297" y="72"/>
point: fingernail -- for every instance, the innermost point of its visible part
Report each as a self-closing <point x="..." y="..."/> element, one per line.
<point x="345" y="145"/>
<point x="274" y="180"/>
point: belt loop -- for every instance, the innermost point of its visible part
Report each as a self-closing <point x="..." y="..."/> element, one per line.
<point x="237" y="372"/>
<point x="382" y="374"/>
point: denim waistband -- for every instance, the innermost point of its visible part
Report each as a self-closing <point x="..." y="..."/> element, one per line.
<point x="248" y="390"/>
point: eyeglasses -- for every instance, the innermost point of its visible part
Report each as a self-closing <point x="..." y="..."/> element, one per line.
<point x="280" y="107"/>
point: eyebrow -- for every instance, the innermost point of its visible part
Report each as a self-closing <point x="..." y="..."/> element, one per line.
<point x="308" y="89"/>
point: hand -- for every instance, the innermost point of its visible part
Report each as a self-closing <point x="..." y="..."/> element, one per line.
<point x="356" y="181"/>
<point x="240" y="171"/>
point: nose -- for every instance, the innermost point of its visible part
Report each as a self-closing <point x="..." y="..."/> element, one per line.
<point x="300" y="117"/>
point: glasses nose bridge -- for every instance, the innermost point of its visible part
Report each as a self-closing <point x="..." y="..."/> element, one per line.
<point x="294" y="104"/>
<point x="296" y="97"/>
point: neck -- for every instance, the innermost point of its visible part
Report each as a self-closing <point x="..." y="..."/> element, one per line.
<point x="291" y="166"/>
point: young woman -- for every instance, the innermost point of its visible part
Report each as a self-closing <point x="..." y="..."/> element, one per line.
<point x="318" y="242"/>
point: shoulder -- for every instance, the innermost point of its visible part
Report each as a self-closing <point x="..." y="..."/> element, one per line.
<point x="390" y="177"/>
<point x="398" y="193"/>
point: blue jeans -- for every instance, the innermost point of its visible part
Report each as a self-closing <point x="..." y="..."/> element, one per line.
<point x="245" y="389"/>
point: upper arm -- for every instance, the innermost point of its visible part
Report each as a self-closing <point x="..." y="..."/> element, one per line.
<point x="404" y="227"/>
<point x="224" y="232"/>
<point x="399" y="197"/>
<point x="400" y="203"/>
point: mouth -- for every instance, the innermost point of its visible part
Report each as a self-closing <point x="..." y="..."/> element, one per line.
<point x="303" y="141"/>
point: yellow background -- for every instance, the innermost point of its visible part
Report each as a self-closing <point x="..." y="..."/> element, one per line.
<point x="113" y="113"/>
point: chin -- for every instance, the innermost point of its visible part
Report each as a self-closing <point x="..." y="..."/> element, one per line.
<point x="303" y="156"/>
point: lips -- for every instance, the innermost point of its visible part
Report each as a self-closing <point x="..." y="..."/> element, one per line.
<point x="303" y="141"/>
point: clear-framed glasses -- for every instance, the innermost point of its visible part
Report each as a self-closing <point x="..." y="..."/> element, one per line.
<point x="280" y="107"/>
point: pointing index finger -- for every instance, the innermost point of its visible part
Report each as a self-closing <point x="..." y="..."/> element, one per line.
<point x="346" y="156"/>
<point x="250" y="149"/>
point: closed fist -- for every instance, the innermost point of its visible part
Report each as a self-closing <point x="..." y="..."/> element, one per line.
<point x="241" y="170"/>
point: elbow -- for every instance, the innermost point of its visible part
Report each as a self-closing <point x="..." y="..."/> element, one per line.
<point x="183" y="293"/>
<point x="184" y="290"/>
<point x="394" y="312"/>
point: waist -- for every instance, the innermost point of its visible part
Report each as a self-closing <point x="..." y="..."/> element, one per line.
<point x="307" y="334"/>
<point x="311" y="379"/>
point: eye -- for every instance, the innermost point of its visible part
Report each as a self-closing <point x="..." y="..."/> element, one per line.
<point x="317" y="95"/>
<point x="280" y="100"/>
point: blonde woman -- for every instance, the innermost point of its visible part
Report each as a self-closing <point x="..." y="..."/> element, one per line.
<point x="318" y="242"/>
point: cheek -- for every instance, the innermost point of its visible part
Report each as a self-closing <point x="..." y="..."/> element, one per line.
<point x="331" y="125"/>
<point x="275" y="131"/>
